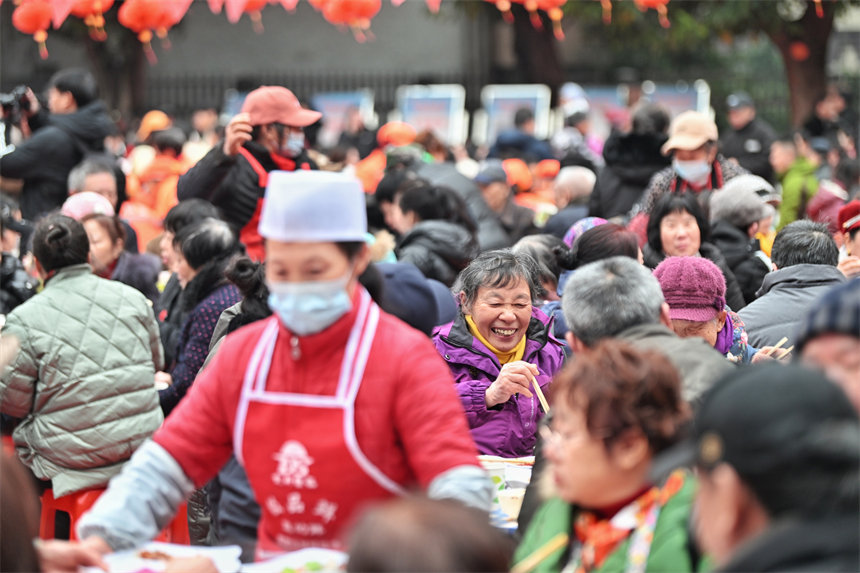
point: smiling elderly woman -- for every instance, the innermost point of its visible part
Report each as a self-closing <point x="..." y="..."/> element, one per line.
<point x="495" y="347"/>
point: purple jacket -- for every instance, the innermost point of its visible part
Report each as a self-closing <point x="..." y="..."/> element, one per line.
<point x="508" y="429"/>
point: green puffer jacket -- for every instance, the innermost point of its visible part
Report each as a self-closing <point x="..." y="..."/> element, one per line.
<point x="83" y="380"/>
<point x="670" y="551"/>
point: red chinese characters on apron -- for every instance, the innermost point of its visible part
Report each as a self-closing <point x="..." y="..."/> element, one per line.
<point x="300" y="450"/>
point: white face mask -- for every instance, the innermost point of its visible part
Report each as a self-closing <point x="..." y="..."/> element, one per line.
<point x="695" y="172"/>
<point x="294" y="144"/>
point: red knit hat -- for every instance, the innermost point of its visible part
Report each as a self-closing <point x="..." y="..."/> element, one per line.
<point x="694" y="287"/>
<point x="849" y="216"/>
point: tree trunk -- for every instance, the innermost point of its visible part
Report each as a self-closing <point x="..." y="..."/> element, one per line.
<point x="806" y="73"/>
<point x="537" y="51"/>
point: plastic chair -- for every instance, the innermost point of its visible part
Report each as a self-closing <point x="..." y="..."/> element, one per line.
<point x="75" y="504"/>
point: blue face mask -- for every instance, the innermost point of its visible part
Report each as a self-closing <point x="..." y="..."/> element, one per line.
<point x="294" y="144"/>
<point x="309" y="307"/>
<point x="696" y="172"/>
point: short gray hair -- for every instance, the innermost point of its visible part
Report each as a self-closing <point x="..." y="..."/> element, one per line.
<point x="604" y="298"/>
<point x="575" y="182"/>
<point x="493" y="269"/>
<point x="89" y="166"/>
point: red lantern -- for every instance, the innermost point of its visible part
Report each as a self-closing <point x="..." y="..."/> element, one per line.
<point x="216" y="5"/>
<point x="92" y="13"/>
<point x="659" y="6"/>
<point x="34" y="17"/>
<point x="356" y="14"/>
<point x="142" y="17"/>
<point x="434" y="5"/>
<point x="553" y="8"/>
<point x="171" y="14"/>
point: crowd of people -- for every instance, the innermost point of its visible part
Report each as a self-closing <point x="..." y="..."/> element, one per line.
<point x="312" y="347"/>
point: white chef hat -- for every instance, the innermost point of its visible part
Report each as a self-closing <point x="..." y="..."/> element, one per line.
<point x="309" y="206"/>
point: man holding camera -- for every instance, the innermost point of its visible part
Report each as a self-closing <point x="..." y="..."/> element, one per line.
<point x="76" y="125"/>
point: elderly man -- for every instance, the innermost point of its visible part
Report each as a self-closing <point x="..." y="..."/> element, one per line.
<point x="572" y="188"/>
<point x="748" y="142"/>
<point x="494" y="182"/>
<point x="829" y="338"/>
<point x="804" y="259"/>
<point x="735" y="215"/>
<point x="619" y="298"/>
<point x="266" y="136"/>
<point x="777" y="458"/>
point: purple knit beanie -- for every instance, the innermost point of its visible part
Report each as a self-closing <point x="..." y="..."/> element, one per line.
<point x="580" y="227"/>
<point x="694" y="287"/>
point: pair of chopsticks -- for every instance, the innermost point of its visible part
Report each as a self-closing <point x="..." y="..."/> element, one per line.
<point x="540" y="554"/>
<point x="771" y="351"/>
<point x="541" y="398"/>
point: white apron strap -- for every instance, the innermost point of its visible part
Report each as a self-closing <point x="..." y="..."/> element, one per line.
<point x="265" y="345"/>
<point x="349" y="411"/>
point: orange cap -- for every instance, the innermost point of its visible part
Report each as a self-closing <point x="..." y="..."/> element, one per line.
<point x="518" y="174"/>
<point x="395" y="133"/>
<point x="547" y="169"/>
<point x="154" y="120"/>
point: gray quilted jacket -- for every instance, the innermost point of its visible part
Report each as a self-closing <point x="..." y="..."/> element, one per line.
<point x="83" y="378"/>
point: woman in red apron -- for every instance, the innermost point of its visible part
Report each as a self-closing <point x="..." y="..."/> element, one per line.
<point x="330" y="404"/>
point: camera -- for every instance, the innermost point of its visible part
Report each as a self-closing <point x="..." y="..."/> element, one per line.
<point x="14" y="103"/>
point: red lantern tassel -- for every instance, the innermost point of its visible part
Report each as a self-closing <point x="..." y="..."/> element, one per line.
<point x="607" y="11"/>
<point x="555" y="15"/>
<point x="819" y="9"/>
<point x="664" y="16"/>
<point x="41" y="36"/>
<point x="145" y="38"/>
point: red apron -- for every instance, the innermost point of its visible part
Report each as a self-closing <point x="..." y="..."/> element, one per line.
<point x="300" y="450"/>
<point x="249" y="235"/>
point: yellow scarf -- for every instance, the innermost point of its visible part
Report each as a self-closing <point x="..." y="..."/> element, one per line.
<point x="504" y="357"/>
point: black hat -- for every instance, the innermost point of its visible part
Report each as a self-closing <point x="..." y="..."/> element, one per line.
<point x="775" y="425"/>
<point x="739" y="100"/>
<point x="837" y="312"/>
<point x="420" y="302"/>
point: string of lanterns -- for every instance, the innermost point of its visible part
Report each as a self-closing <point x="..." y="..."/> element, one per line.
<point x="156" y="17"/>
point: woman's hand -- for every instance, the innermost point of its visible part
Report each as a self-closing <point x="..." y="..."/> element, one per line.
<point x="63" y="556"/>
<point x="163" y="380"/>
<point x="849" y="266"/>
<point x="237" y="133"/>
<point x="514" y="378"/>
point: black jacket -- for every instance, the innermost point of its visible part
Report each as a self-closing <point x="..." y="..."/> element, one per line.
<point x="140" y="272"/>
<point x="44" y="160"/>
<point x="16" y="285"/>
<point x="631" y="160"/>
<point x="558" y="224"/>
<point x="491" y="234"/>
<point x="734" y="297"/>
<point x="740" y="253"/>
<point x="170" y="314"/>
<point x="831" y="544"/>
<point x="440" y="249"/>
<point x="750" y="145"/>
<point x="230" y="183"/>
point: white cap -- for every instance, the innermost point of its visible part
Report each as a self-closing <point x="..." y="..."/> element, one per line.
<point x="313" y="206"/>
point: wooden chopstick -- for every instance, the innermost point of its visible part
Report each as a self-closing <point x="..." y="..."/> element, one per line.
<point x="541" y="398"/>
<point x="785" y="352"/>
<point x="541" y="553"/>
<point x="773" y="349"/>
